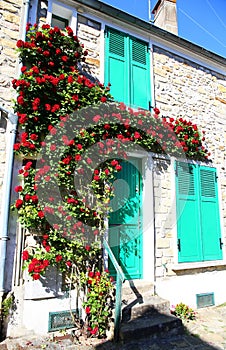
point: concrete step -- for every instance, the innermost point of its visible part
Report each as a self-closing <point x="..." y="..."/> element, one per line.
<point x="150" y="326"/>
<point x="134" y="289"/>
<point x="145" y="306"/>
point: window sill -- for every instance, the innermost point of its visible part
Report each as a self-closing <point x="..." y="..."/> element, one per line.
<point x="198" y="265"/>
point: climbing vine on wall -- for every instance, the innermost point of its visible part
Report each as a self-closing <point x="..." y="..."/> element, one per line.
<point x="71" y="133"/>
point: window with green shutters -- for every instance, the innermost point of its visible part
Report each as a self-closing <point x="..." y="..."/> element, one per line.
<point x="127" y="68"/>
<point x="198" y="219"/>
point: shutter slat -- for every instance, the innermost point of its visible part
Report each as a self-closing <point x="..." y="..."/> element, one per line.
<point x="207" y="179"/>
<point x="116" y="43"/>
<point x="139" y="51"/>
<point x="186" y="179"/>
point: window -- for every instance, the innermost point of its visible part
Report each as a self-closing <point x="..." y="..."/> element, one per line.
<point x="127" y="68"/>
<point x="61" y="15"/>
<point x="198" y="220"/>
<point x="59" y="22"/>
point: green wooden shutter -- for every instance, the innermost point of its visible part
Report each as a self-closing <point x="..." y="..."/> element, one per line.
<point x="127" y="68"/>
<point x="188" y="228"/>
<point x="210" y="218"/>
<point x="116" y="67"/>
<point x="140" y="74"/>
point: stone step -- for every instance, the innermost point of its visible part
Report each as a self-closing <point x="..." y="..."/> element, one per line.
<point x="145" y="306"/>
<point x="150" y="326"/>
<point x="133" y="289"/>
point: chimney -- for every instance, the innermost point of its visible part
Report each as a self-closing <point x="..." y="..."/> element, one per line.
<point x="165" y="15"/>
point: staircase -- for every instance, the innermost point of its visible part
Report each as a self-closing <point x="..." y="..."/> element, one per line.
<point x="145" y="314"/>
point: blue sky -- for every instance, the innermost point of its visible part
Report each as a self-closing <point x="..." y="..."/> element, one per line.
<point x="200" y="21"/>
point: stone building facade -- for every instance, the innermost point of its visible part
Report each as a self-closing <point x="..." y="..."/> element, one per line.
<point x="185" y="82"/>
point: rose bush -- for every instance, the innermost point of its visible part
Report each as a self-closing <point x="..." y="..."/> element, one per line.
<point x="62" y="114"/>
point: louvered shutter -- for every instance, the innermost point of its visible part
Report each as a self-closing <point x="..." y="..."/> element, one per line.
<point x="210" y="218"/>
<point x="116" y="67"/>
<point x="188" y="228"/>
<point x="140" y="74"/>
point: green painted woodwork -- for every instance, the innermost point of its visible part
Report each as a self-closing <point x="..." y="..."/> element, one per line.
<point x="210" y="217"/>
<point x="127" y="68"/>
<point x="198" y="221"/>
<point x="125" y="222"/>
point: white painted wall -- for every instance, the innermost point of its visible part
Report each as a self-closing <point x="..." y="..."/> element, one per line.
<point x="184" y="288"/>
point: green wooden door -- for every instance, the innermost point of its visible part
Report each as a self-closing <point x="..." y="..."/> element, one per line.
<point x="127" y="68"/>
<point x="198" y="220"/>
<point x="125" y="222"/>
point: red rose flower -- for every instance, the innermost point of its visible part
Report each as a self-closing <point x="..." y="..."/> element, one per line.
<point x="78" y="157"/>
<point x="103" y="99"/>
<point x="59" y="258"/>
<point x="46" y="53"/>
<point x="20" y="43"/>
<point x="36" y="276"/>
<point x="94" y="330"/>
<point x="137" y="135"/>
<point x="18" y="188"/>
<point x="28" y="165"/>
<point x="25" y="255"/>
<point x="114" y="162"/>
<point x="33" y="137"/>
<point x="88" y="309"/>
<point x="64" y="58"/>
<point x="156" y="110"/>
<point x="16" y="146"/>
<point x="20" y="100"/>
<point x="18" y="203"/>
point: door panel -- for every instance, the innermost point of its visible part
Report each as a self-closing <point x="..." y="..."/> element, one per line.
<point x="125" y="231"/>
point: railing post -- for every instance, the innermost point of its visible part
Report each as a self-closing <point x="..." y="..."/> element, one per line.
<point x="120" y="278"/>
<point x="118" y="307"/>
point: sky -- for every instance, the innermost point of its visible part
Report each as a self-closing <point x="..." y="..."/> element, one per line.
<point x="202" y="22"/>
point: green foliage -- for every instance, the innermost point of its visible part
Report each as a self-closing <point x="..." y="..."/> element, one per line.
<point x="99" y="299"/>
<point x="184" y="312"/>
<point x="7" y="305"/>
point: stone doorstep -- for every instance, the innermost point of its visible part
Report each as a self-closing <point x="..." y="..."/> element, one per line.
<point x="135" y="288"/>
<point x="146" y="305"/>
<point x="156" y="325"/>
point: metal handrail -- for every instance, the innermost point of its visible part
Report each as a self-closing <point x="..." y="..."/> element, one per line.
<point x="120" y="278"/>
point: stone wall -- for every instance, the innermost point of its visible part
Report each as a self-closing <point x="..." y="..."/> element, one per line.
<point x="185" y="89"/>
<point x="88" y="31"/>
<point x="10" y="19"/>
<point x="165" y="220"/>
